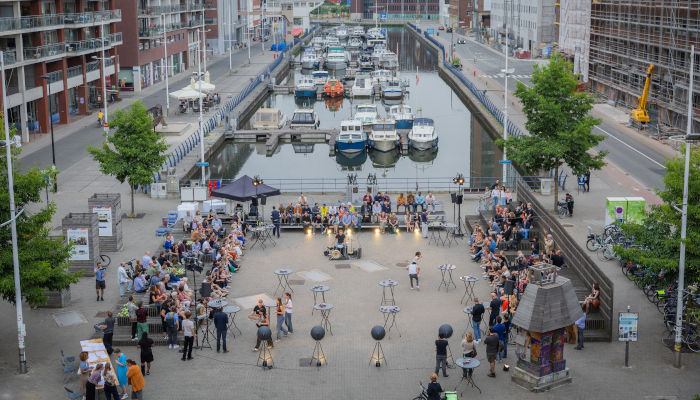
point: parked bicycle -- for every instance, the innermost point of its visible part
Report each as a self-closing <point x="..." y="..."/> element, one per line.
<point x="563" y="209"/>
<point x="105" y="260"/>
<point x="689" y="336"/>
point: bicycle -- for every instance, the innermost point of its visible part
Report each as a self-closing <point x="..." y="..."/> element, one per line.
<point x="689" y="337"/>
<point x="563" y="209"/>
<point x="100" y="124"/>
<point x="481" y="205"/>
<point x="606" y="253"/>
<point x="594" y="241"/>
<point x="105" y="260"/>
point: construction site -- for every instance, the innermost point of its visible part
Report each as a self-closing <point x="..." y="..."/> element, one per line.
<point x="614" y="44"/>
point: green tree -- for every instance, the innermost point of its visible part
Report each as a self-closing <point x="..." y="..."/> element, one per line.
<point x="43" y="261"/>
<point x="558" y="122"/>
<point x="134" y="152"/>
<point x="661" y="229"/>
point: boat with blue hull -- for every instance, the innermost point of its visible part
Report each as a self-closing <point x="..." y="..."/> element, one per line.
<point x="403" y="116"/>
<point x="351" y="138"/>
<point x="305" y="87"/>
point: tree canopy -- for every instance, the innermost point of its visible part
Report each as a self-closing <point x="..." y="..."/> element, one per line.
<point x="43" y="260"/>
<point x="661" y="229"/>
<point x="559" y="124"/>
<point x="134" y="152"/>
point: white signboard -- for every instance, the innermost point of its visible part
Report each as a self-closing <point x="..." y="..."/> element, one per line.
<point x="628" y="327"/>
<point x="80" y="240"/>
<point x="104" y="214"/>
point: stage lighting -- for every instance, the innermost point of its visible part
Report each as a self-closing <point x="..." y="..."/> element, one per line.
<point x="376" y="230"/>
<point x="317" y="333"/>
<point x="506" y="367"/>
<point x="309" y="231"/>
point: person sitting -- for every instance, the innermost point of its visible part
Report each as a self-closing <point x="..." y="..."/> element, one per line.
<point x="368" y="198"/>
<point x="379" y="198"/>
<point x="558" y="259"/>
<point x="366" y="212"/>
<point x="385" y="197"/>
<point x="290" y="213"/>
<point x="306" y="220"/>
<point x="382" y="222"/>
<point x="593" y="299"/>
<point x="306" y="209"/>
<point x="420" y="200"/>
<point x="318" y="223"/>
<point x="326" y="221"/>
<point x="430" y="200"/>
<point x="324" y="210"/>
<point x="332" y="211"/>
<point x="139" y="283"/>
<point x="302" y="199"/>
<point x="409" y="221"/>
<point x="216" y="225"/>
<point x="494" y="228"/>
<point x="401" y="201"/>
<point x="155" y="296"/>
<point x="340" y="241"/>
<point x="168" y="242"/>
<point x="386" y="207"/>
<point x="376" y="210"/>
<point x="411" y="202"/>
<point x="357" y="221"/>
<point x="197" y="235"/>
<point x="535" y="246"/>
<point x="283" y="213"/>
<point x="297" y="212"/>
<point x="315" y="210"/>
<point x="517" y="237"/>
<point x="393" y="223"/>
<point x="163" y="260"/>
<point x="334" y="221"/>
<point x="346" y="220"/>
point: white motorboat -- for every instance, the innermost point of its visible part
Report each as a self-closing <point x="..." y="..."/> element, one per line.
<point x="309" y="60"/>
<point x="335" y="59"/>
<point x="305" y="86"/>
<point x="359" y="31"/>
<point x="389" y="61"/>
<point x="362" y="87"/>
<point x="380" y="76"/>
<point x="318" y="43"/>
<point x="423" y="135"/>
<point x="365" y="61"/>
<point x="305" y="118"/>
<point x="392" y="89"/>
<point x="342" y="32"/>
<point x="269" y="119"/>
<point x="378" y="51"/>
<point x="354" y="43"/>
<point x="367" y="114"/>
<point x="383" y="136"/>
<point x="403" y="116"/>
<point x="320" y="77"/>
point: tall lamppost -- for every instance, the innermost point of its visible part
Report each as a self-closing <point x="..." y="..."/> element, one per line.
<point x="201" y="131"/>
<point x="53" y="148"/>
<point x="165" y="67"/>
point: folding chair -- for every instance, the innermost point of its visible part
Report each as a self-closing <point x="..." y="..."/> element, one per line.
<point x="68" y="369"/>
<point x="72" y="394"/>
<point x="67" y="359"/>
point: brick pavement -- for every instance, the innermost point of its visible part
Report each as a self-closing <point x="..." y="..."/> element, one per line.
<point x="356" y="295"/>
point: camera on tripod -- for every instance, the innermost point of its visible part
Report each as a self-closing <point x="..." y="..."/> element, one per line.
<point x="193" y="264"/>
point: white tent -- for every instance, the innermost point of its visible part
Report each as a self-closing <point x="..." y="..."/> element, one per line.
<point x="186" y="94"/>
<point x="206" y="87"/>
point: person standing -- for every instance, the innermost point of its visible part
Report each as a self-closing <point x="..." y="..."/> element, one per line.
<point x="500" y="330"/>
<point x="434" y="389"/>
<point x="123" y="279"/>
<point x="468" y="351"/>
<point x="491" y="343"/>
<point x="108" y="331"/>
<point x="275" y="221"/>
<point x="441" y="355"/>
<point x="413" y="272"/>
<point x="221" y="325"/>
<point x="495" y="308"/>
<point x="288" y="312"/>
<point x="581" y="326"/>
<point x="477" y="314"/>
<point x="121" y="371"/>
<point x="132" y="307"/>
<point x="190" y="336"/>
<point x="136" y="380"/>
<point x="85" y="371"/>
<point x="587" y="176"/>
<point x="100" y="281"/>
<point x="279" y="312"/>
<point x="146" y="344"/>
<point x="570" y="204"/>
<point x="141" y="320"/>
<point x="172" y="323"/>
<point x="111" y="383"/>
<point x="424" y="223"/>
<point x="93" y="380"/>
<point x="495" y="194"/>
<point x="263" y="321"/>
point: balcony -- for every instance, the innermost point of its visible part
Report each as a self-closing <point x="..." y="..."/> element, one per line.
<point x="75" y="76"/>
<point x="158" y="10"/>
<point x="30" y="22"/>
<point x="49" y="50"/>
<point x="156" y="31"/>
<point x="56" y="76"/>
<point x="195" y="7"/>
<point x="57" y="21"/>
<point x="9" y="57"/>
<point x="88" y="45"/>
<point x="92" y="18"/>
<point x="195" y="23"/>
<point x="210" y="21"/>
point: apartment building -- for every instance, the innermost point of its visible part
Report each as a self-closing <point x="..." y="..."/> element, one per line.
<point x="481" y="17"/>
<point x="459" y="15"/>
<point x="148" y="25"/>
<point x="409" y="10"/>
<point x="625" y="38"/>
<point x="60" y="39"/>
<point x="523" y="24"/>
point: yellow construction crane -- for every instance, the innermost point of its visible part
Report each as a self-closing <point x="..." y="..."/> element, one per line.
<point x="640" y="114"/>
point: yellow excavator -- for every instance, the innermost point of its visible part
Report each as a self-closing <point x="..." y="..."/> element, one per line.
<point x="640" y="114"/>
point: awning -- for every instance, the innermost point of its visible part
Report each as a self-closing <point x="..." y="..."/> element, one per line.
<point x="244" y="190"/>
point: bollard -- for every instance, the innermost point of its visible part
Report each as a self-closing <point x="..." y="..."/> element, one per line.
<point x="474" y="72"/>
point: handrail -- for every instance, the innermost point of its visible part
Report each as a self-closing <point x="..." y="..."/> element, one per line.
<point x="92" y="66"/>
<point x="44" y="51"/>
<point x="55" y="76"/>
<point x="75" y="71"/>
<point x="9" y="57"/>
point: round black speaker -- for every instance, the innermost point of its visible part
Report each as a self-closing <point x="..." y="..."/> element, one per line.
<point x="378" y="332"/>
<point x="264" y="333"/>
<point x="317" y="332"/>
<point x="445" y="331"/>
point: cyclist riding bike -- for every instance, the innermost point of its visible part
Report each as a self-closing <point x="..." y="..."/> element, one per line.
<point x="99" y="117"/>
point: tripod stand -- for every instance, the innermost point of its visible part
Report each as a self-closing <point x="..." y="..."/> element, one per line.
<point x="264" y="353"/>
<point x="380" y="354"/>
<point x="205" y="335"/>
<point x="318" y="355"/>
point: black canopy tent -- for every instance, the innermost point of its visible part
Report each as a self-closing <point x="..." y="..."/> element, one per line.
<point x="243" y="190"/>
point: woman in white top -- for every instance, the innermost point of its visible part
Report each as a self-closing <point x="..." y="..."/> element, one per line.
<point x="332" y="210"/>
<point x="495" y="194"/>
<point x="502" y="195"/>
<point x="288" y="312"/>
<point x="376" y="210"/>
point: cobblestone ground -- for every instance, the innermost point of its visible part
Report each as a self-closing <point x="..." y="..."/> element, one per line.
<point x="355" y="293"/>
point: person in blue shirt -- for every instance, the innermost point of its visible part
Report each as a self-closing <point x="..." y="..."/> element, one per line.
<point x="420" y="200"/>
<point x="139" y="284"/>
<point x="221" y="324"/>
<point x="275" y="221"/>
<point x="581" y="325"/>
<point x="500" y="329"/>
<point x="379" y="198"/>
<point x="386" y="207"/>
<point x="100" y="281"/>
<point x="216" y="225"/>
<point x="492" y="247"/>
<point x="168" y="242"/>
<point x="357" y="221"/>
<point x="347" y="220"/>
<point x="495" y="228"/>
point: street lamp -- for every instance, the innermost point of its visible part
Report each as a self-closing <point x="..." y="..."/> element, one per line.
<point x="13" y="223"/>
<point x="201" y="131"/>
<point x="53" y="148"/>
<point x="165" y="68"/>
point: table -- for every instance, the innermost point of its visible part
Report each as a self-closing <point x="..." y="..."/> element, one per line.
<point x="231" y="322"/>
<point x="269" y="237"/>
<point x="388" y="283"/>
<point x="469" y="283"/>
<point x="473" y="363"/>
<point x="437" y="227"/>
<point x="390" y="312"/>
<point x="451" y="231"/>
<point x="325" y="309"/>
<point x="446" y="270"/>
<point x="319" y="289"/>
<point x="217" y="303"/>
<point x="283" y="277"/>
<point x="269" y="304"/>
<point x="258" y="233"/>
<point x="100" y="360"/>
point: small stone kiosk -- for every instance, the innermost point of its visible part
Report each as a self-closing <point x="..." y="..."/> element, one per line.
<point x="548" y="305"/>
<point x="82" y="229"/>
<point x="108" y="207"/>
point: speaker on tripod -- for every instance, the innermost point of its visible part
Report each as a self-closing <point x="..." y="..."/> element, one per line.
<point x="446" y="332"/>
<point x="378" y="334"/>
<point x="508" y="287"/>
<point x="265" y="334"/>
<point x="205" y="291"/>
<point x="317" y="333"/>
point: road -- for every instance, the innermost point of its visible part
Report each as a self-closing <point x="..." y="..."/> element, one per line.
<point x="71" y="149"/>
<point x="642" y="162"/>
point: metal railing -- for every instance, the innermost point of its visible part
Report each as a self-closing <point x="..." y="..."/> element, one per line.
<point x="30" y="22"/>
<point x="75" y="71"/>
<point x="195" y="22"/>
<point x="92" y="66"/>
<point x="93" y="44"/>
<point x="195" y="7"/>
<point x="55" y="76"/>
<point x="9" y="57"/>
<point x="44" y="51"/>
<point x="151" y="32"/>
<point x="109" y="62"/>
<point x="114" y="37"/>
<point x="210" y="21"/>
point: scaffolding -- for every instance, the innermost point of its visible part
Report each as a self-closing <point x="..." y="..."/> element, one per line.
<point x="547" y="28"/>
<point x="575" y="34"/>
<point x="625" y="37"/>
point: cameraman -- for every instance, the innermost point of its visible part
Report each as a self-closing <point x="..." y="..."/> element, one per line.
<point x="100" y="281"/>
